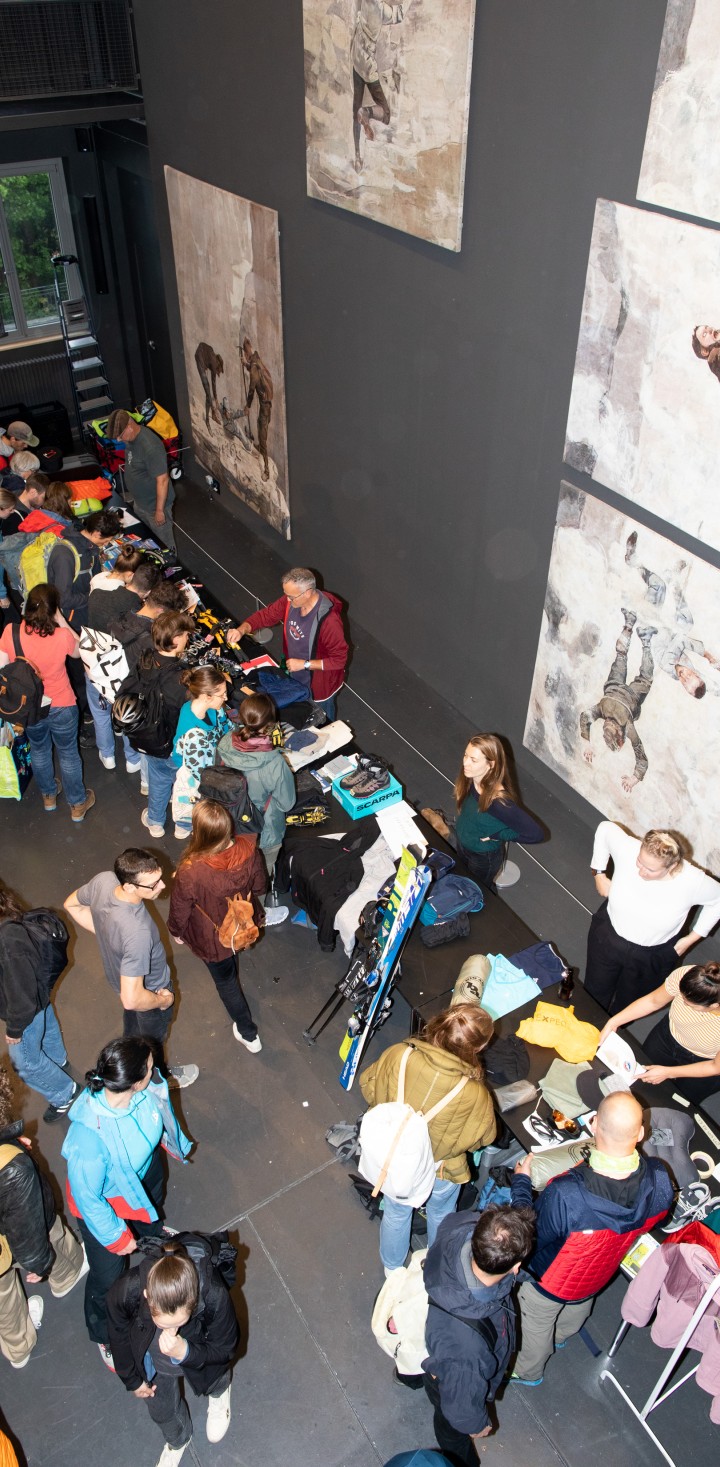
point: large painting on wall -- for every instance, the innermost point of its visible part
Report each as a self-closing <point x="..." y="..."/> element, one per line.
<point x="644" y="413"/>
<point x="681" y="160"/>
<point x="625" y="695"/>
<point x="227" y="263"/>
<point x="387" y="91"/>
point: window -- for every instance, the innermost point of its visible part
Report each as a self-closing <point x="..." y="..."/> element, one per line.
<point x="34" y="222"/>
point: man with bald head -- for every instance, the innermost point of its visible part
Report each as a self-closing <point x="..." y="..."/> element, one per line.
<point x="586" y="1221"/>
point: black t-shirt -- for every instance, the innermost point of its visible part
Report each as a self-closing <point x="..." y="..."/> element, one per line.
<point x="621" y="1190"/>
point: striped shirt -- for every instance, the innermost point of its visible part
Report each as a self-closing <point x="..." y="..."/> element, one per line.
<point x="696" y="1029"/>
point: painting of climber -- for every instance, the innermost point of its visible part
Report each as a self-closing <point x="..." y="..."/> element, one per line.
<point x="623" y="700"/>
<point x="227" y="264"/>
<point x="387" y="92"/>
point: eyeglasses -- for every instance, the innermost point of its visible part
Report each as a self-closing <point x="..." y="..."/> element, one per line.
<point x="141" y="886"/>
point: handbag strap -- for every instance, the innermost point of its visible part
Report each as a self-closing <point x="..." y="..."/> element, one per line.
<point x="20" y="655"/>
<point x="214" y="925"/>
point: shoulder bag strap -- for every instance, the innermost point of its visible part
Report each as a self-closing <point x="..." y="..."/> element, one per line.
<point x="20" y="655"/>
<point x="401" y="1076"/>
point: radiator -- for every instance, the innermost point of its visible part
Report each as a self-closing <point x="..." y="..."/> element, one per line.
<point x="36" y="380"/>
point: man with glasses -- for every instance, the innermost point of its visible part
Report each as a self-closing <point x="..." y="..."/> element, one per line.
<point x="313" y="638"/>
<point x="112" y="905"/>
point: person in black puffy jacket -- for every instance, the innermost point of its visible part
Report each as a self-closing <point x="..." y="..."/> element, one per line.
<point x="173" y="1318"/>
<point x="35" y="1238"/>
<point x="34" y="1040"/>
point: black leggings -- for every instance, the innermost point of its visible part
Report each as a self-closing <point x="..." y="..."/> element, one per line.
<point x="225" y="977"/>
<point x="663" y="1049"/>
<point x="106" y="1267"/>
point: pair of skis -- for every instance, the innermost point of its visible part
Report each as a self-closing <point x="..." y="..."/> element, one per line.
<point x="404" y="903"/>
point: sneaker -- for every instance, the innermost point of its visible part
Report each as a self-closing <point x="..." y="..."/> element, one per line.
<point x="143" y="786"/>
<point x="218" y="1416"/>
<point x="107" y="761"/>
<point x="157" y="830"/>
<point x="275" y="915"/>
<point x="518" y="1380"/>
<point x="78" y="812"/>
<point x="181" y="832"/>
<point x="50" y="801"/>
<point x="253" y="1045"/>
<point x="171" y="1455"/>
<point x="373" y="781"/>
<point x="131" y="768"/>
<point x="689" y="1202"/>
<point x="106" y="1357"/>
<point x="83" y="1269"/>
<point x="54" y="1112"/>
<point x="20" y="1364"/>
<point x="183" y="1075"/>
<point x="36" y="1309"/>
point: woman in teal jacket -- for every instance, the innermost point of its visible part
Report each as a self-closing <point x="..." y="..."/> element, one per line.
<point x="115" y="1177"/>
<point x="270" y="780"/>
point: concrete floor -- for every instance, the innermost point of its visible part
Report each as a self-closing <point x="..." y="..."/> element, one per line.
<point x="311" y="1386"/>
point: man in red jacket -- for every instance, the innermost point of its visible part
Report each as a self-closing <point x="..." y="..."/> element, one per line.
<point x="313" y="638"/>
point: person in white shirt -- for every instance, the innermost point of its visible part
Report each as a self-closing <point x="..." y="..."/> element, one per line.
<point x="634" y="941"/>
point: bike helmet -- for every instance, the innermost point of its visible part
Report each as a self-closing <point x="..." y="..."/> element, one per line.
<point x="128" y="713"/>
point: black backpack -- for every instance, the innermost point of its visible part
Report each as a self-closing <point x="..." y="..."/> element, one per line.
<point x="153" y="730"/>
<point x="229" y="788"/>
<point x="49" y="938"/>
<point x="21" y="688"/>
<point x="214" y="1248"/>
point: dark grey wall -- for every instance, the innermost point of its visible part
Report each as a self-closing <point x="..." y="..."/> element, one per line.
<point x="427" y="392"/>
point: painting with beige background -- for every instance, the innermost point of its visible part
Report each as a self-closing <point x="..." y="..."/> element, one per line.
<point x="227" y="264"/>
<point x="387" y="92"/>
<point x="625" y="700"/>
<point x="681" y="159"/>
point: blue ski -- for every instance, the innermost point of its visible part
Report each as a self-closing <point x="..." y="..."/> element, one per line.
<point x="381" y="979"/>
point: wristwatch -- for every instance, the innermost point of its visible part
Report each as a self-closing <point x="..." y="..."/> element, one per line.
<point x="307" y="666"/>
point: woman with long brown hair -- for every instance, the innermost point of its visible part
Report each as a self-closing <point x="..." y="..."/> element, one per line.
<point x="271" y="783"/>
<point x="46" y="640"/>
<point x="488" y="810"/>
<point x="217" y="864"/>
<point x="447" y="1052"/>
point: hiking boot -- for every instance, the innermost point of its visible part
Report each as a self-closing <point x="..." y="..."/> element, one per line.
<point x="54" y="1112"/>
<point x="181" y="1076"/>
<point x="437" y="819"/>
<point x="157" y="831"/>
<point x="630" y="617"/>
<point x="218" y="1416"/>
<point x="50" y="801"/>
<point x="253" y="1045"/>
<point x="78" y="812"/>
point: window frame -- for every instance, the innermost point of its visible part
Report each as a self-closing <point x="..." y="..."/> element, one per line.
<point x="53" y="167"/>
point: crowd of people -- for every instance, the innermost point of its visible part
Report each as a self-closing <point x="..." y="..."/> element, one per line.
<point x="169" y="1317"/>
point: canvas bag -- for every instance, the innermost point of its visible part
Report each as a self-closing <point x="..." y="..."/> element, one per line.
<point x="395" y="1150"/>
<point x="104" y="660"/>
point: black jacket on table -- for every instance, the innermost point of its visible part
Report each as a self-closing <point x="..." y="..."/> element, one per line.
<point x="23" y="990"/>
<point x="470" y="1330"/>
<point x="27" y="1208"/>
<point x="320" y="873"/>
<point x="211" y="1332"/>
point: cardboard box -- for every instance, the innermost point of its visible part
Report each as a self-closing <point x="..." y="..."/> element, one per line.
<point x="357" y="808"/>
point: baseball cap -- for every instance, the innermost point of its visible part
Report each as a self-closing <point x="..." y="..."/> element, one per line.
<point x="24" y="431"/>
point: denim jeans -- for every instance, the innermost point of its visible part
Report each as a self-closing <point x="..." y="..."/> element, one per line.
<point x="39" y="1057"/>
<point x="161" y="778"/>
<point x="102" y="718"/>
<point x="60" y="731"/>
<point x="396" y="1224"/>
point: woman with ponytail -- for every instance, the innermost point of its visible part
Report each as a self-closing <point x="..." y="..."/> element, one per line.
<point x="172" y="1317"/>
<point x="115" y="1181"/>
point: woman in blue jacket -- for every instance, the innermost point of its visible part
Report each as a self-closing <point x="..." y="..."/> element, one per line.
<point x="115" y="1178"/>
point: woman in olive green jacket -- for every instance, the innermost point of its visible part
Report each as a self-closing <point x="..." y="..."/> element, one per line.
<point x="449" y="1049"/>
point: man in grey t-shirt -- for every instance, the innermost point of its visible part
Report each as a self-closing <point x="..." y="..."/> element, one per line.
<point x="112" y="905"/>
<point x="146" y="474"/>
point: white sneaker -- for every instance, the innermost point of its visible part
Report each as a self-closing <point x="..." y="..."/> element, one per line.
<point x="84" y="1268"/>
<point x="218" y="1417"/>
<point x="181" y="832"/>
<point x="183" y="1075"/>
<point x="275" y="915"/>
<point x="171" y="1455"/>
<point x="107" y="761"/>
<point x="143" y="786"/>
<point x="132" y="768"/>
<point x="106" y="1357"/>
<point x="36" y="1309"/>
<point x="157" y="830"/>
<point x="253" y="1045"/>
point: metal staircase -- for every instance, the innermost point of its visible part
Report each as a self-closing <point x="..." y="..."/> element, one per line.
<point x="90" y="387"/>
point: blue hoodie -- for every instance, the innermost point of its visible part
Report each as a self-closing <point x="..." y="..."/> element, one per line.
<point x="468" y="1365"/>
<point x="108" y="1152"/>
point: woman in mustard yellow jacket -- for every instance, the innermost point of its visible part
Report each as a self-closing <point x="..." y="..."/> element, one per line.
<point x="449" y="1049"/>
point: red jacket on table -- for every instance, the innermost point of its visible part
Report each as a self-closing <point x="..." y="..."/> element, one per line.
<point x="327" y="640"/>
